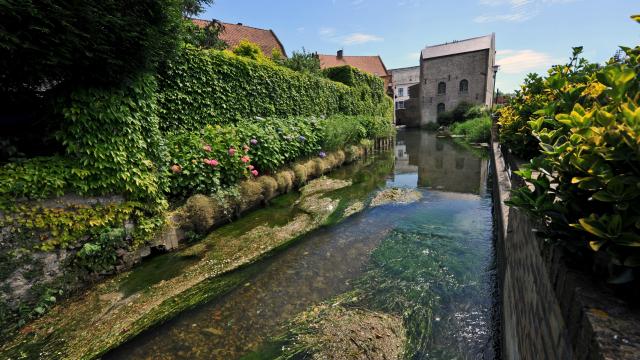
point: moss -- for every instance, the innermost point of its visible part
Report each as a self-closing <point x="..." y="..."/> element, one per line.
<point x="269" y="186"/>
<point x="300" y="174"/>
<point x="340" y="157"/>
<point x="352" y="153"/>
<point x="285" y="181"/>
<point x="322" y="166"/>
<point x="332" y="331"/>
<point x="396" y="196"/>
<point x="200" y="212"/>
<point x="250" y="195"/>
<point x="311" y="169"/>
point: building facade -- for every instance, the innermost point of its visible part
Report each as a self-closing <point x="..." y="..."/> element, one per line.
<point x="401" y="80"/>
<point x="455" y="72"/>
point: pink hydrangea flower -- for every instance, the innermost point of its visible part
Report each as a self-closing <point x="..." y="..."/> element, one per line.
<point x="245" y="148"/>
<point x="254" y="172"/>
<point x="245" y="159"/>
<point x="207" y="148"/>
<point x="232" y="151"/>
<point x="212" y="162"/>
<point x="250" y="167"/>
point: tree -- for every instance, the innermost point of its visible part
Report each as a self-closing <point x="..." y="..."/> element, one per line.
<point x="47" y="43"/>
<point x="302" y="62"/>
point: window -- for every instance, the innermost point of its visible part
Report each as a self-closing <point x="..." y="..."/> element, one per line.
<point x="464" y="86"/>
<point x="400" y="105"/>
<point x="442" y="88"/>
<point x="440" y="108"/>
<point x="401" y="92"/>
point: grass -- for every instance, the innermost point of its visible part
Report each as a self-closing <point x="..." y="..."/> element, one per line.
<point x="476" y="130"/>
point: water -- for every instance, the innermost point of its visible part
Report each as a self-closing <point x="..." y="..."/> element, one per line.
<point x="429" y="262"/>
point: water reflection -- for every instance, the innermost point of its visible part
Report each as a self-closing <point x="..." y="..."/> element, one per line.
<point x="439" y="164"/>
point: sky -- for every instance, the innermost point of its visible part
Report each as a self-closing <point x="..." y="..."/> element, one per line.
<point x="531" y="35"/>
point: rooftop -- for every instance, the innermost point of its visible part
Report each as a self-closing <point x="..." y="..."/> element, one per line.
<point x="459" y="47"/>
<point x="370" y="64"/>
<point x="234" y="33"/>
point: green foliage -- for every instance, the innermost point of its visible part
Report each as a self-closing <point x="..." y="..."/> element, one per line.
<point x="100" y="254"/>
<point x="93" y="42"/>
<point x="463" y="111"/>
<point x="540" y="97"/>
<point x="114" y="141"/>
<point x="212" y="87"/>
<point x="302" y="62"/>
<point x="249" y="50"/>
<point x="476" y="130"/>
<point x="62" y="227"/>
<point x="432" y="126"/>
<point x="586" y="177"/>
<point x="207" y="37"/>
<point x="267" y="144"/>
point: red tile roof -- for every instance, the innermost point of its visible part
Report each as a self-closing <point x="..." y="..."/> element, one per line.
<point x="234" y="33"/>
<point x="370" y="64"/>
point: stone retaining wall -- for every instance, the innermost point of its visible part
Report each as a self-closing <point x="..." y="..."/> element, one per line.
<point x="548" y="310"/>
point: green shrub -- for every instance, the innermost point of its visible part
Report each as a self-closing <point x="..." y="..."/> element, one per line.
<point x="100" y="254"/>
<point x="539" y="97"/>
<point x="249" y="50"/>
<point x="463" y="111"/>
<point x="475" y="130"/>
<point x="268" y="144"/>
<point x="214" y="87"/>
<point x="588" y="170"/>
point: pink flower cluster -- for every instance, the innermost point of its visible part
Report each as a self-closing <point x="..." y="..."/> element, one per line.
<point x="211" y="162"/>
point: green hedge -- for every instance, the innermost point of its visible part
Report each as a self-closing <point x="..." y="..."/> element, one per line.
<point x="213" y="87"/>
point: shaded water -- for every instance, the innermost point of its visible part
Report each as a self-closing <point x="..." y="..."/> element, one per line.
<point x="430" y="262"/>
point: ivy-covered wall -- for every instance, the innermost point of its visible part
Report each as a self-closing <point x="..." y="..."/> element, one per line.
<point x="213" y="87"/>
<point x="206" y="121"/>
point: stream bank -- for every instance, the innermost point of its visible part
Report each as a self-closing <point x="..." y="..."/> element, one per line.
<point x="121" y="307"/>
<point x="427" y="263"/>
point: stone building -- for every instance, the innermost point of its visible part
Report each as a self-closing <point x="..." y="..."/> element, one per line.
<point x="454" y="72"/>
<point x="401" y="80"/>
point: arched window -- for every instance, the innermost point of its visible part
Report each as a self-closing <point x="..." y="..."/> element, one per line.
<point x="464" y="86"/>
<point x="442" y="88"/>
<point x="440" y="108"/>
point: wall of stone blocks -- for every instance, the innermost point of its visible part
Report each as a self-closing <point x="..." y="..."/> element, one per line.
<point x="548" y="310"/>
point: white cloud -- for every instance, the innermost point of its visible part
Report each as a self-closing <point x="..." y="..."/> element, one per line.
<point x="522" y="61"/>
<point x="514" y="10"/>
<point x="359" y="38"/>
<point x="330" y="34"/>
<point x="511" y="17"/>
<point x="326" y="32"/>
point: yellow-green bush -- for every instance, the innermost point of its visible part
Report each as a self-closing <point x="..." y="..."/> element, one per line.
<point x="589" y="165"/>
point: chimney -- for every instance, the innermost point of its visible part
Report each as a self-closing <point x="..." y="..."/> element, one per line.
<point x="339" y="56"/>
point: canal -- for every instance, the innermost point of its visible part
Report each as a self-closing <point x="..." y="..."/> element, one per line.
<point x="429" y="262"/>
